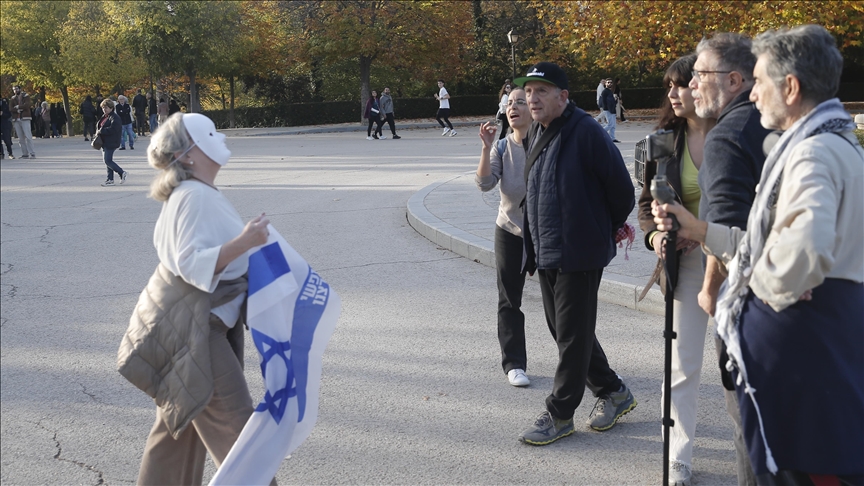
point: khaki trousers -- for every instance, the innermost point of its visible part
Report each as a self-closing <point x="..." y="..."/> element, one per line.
<point x="169" y="461"/>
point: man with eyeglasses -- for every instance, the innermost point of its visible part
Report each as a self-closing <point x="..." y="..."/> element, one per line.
<point x="734" y="154"/>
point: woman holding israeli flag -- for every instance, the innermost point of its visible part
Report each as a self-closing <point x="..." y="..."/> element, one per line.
<point x="194" y="368"/>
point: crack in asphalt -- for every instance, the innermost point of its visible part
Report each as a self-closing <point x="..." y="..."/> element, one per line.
<point x="12" y="291"/>
<point x="319" y="270"/>
<point x="91" y="395"/>
<point x="47" y="231"/>
<point x="3" y="320"/>
<point x="7" y="269"/>
<point x="100" y="479"/>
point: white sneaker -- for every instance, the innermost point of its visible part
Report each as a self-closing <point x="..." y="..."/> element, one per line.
<point x="679" y="474"/>
<point x="517" y="378"/>
<point x="445" y="131"/>
<point x="369" y="138"/>
<point x="382" y="137"/>
<point x="452" y="133"/>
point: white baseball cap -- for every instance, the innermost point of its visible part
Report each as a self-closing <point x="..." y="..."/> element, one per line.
<point x="203" y="133"/>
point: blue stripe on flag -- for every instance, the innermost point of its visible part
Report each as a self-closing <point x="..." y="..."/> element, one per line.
<point x="308" y="309"/>
<point x="265" y="266"/>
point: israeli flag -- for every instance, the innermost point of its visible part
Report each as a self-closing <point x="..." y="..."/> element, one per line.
<point x="291" y="313"/>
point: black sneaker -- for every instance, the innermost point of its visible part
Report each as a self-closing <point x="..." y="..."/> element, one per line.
<point x="131" y="148"/>
<point x="375" y="136"/>
<point x="108" y="183"/>
<point x="122" y="148"/>
<point x="396" y="137"/>
<point x="546" y="430"/>
<point x="616" y="141"/>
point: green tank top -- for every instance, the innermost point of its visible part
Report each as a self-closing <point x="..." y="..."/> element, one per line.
<point x="690" y="192"/>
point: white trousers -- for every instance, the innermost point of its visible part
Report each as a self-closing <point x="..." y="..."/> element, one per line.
<point x="25" y="138"/>
<point x="690" y="322"/>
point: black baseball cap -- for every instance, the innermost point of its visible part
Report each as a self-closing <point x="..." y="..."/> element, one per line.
<point x="548" y="72"/>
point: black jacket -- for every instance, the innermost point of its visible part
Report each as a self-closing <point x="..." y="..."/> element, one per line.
<point x="88" y="112"/>
<point x="110" y="129"/>
<point x="733" y="164"/>
<point x="124" y="111"/>
<point x="139" y="102"/>
<point x="579" y="194"/>
<point x="607" y="100"/>
<point x="153" y="107"/>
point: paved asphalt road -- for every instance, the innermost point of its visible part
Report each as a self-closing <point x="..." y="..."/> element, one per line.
<point x="412" y="391"/>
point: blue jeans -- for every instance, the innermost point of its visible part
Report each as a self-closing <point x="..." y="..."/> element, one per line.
<point x="108" y="158"/>
<point x="153" y="123"/>
<point x="610" y="124"/>
<point x="127" y="129"/>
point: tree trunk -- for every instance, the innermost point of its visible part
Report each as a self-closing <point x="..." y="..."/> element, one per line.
<point x="365" y="91"/>
<point x="65" y="92"/>
<point x="193" y="92"/>
<point x="231" y="109"/>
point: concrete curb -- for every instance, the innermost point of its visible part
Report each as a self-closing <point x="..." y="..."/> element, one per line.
<point x="614" y="289"/>
<point x="274" y="131"/>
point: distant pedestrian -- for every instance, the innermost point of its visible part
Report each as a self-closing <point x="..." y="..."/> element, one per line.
<point x="502" y="163"/>
<point x="162" y="110"/>
<point x="88" y="115"/>
<point x="386" y="103"/>
<point x="607" y="101"/>
<point x="44" y="115"/>
<point x="61" y="119"/>
<point x="5" y="128"/>
<point x="600" y="88"/>
<point x="503" y="96"/>
<point x="139" y="104"/>
<point x="618" y="97"/>
<point x="373" y="113"/>
<point x="110" y="130"/>
<point x="153" y="111"/>
<point x="124" y="111"/>
<point x="173" y="107"/>
<point x="21" y="118"/>
<point x="55" y="121"/>
<point x="443" y="98"/>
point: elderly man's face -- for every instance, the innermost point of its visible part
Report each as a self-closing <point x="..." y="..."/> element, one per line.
<point x="545" y="100"/>
<point x="710" y="88"/>
<point x="769" y="97"/>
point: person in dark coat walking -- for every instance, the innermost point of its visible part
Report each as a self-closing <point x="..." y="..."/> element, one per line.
<point x="55" y="117"/>
<point x="110" y="130"/>
<point x="61" y="119"/>
<point x="139" y="104"/>
<point x="88" y="115"/>
<point x="5" y="128"/>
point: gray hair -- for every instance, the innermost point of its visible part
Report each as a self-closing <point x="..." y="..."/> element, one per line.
<point x="807" y="52"/>
<point x="170" y="138"/>
<point x="733" y="50"/>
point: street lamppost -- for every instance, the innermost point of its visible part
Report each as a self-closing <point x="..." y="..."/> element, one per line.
<point x="513" y="37"/>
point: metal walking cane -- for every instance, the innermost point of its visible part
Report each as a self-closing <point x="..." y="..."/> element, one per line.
<point x="659" y="147"/>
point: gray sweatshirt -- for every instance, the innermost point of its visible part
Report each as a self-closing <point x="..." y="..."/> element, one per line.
<point x="510" y="171"/>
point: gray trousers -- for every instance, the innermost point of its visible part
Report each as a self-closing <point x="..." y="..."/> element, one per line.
<point x="168" y="461"/>
<point x="25" y="137"/>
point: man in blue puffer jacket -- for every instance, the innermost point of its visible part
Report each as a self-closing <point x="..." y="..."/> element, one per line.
<point x="579" y="194"/>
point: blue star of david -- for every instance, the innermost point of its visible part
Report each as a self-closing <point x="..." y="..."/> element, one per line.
<point x="276" y="401"/>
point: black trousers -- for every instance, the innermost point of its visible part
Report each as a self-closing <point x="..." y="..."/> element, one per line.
<point x="570" y="304"/>
<point x="140" y="119"/>
<point x="391" y="123"/>
<point x="6" y="135"/>
<point x="373" y="118"/>
<point x="445" y="114"/>
<point x="511" y="281"/>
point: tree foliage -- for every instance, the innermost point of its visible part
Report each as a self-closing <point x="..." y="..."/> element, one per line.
<point x="646" y="35"/>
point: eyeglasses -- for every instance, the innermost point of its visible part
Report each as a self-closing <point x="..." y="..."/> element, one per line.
<point x="517" y="102"/>
<point x="697" y="75"/>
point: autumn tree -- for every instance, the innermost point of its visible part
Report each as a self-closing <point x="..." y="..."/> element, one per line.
<point x="425" y="39"/>
<point x="32" y="52"/>
<point x="646" y="35"/>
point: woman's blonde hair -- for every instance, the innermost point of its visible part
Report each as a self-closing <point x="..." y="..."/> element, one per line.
<point x="170" y="138"/>
<point x="106" y="103"/>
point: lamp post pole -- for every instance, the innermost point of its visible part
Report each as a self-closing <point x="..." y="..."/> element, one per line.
<point x="513" y="37"/>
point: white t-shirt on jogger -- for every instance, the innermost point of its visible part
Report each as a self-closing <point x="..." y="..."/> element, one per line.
<point x="442" y="102"/>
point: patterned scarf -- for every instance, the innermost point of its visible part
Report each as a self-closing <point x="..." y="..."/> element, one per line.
<point x="827" y="117"/>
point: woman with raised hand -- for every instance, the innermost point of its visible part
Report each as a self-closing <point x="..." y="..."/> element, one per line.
<point x="503" y="162"/>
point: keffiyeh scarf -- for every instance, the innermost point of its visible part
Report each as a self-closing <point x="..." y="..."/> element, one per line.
<point x="827" y="117"/>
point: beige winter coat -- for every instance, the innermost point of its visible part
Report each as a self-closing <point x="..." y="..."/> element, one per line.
<point x="165" y="351"/>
